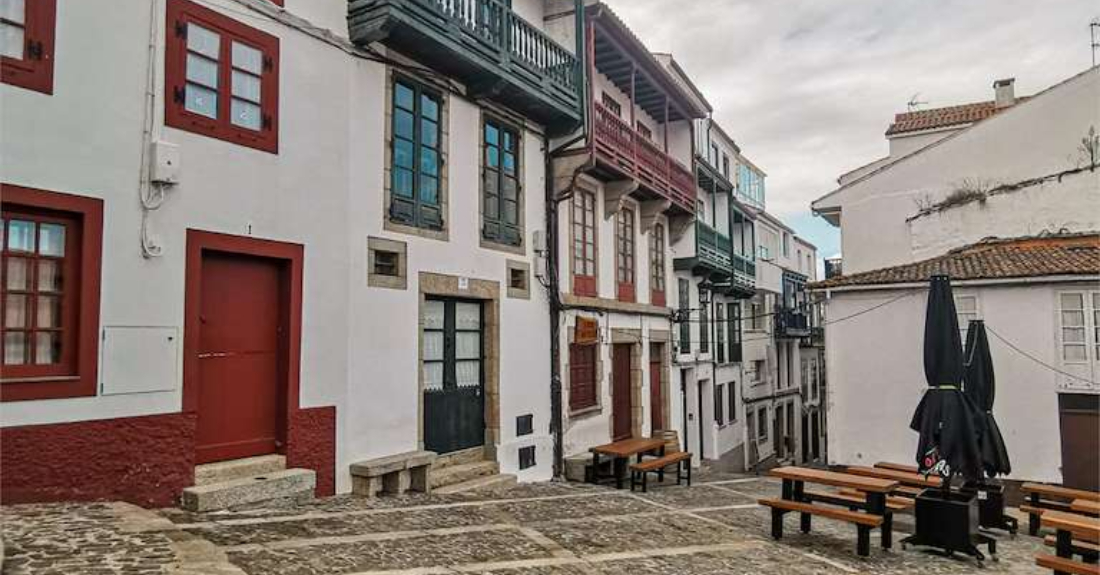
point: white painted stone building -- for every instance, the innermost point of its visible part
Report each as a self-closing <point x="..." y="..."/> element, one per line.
<point x="1022" y="171"/>
<point x="338" y="221"/>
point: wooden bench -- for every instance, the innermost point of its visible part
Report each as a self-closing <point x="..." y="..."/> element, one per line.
<point x="1042" y="496"/>
<point x="640" y="471"/>
<point x="1070" y="529"/>
<point x="620" y="452"/>
<point x="893" y="502"/>
<point x="1067" y="565"/>
<point x="1083" y="548"/>
<point x="864" y="522"/>
<point x="393" y="474"/>
<point x="913" y="480"/>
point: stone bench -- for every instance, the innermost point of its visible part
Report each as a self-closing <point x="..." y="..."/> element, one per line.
<point x="393" y="474"/>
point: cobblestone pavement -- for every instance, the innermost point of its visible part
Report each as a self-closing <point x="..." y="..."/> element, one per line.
<point x="714" y="527"/>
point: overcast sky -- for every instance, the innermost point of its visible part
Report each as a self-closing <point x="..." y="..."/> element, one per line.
<point x="807" y="88"/>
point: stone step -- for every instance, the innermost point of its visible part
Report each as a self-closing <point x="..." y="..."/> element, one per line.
<point x="485" y="482"/>
<point x="296" y="483"/>
<point x="472" y="455"/>
<point x="222" y="471"/>
<point x="458" y="473"/>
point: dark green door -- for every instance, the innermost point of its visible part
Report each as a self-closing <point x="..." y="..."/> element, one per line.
<point x="454" y="398"/>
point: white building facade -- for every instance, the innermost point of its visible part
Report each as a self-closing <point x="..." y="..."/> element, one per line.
<point x="261" y="230"/>
<point x="1024" y="171"/>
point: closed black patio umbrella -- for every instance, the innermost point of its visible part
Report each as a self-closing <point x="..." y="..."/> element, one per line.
<point x="949" y="425"/>
<point x="948" y="422"/>
<point x="980" y="386"/>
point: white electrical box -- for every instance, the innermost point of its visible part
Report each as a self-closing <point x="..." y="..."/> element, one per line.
<point x="538" y="241"/>
<point x="139" y="359"/>
<point x="164" y="165"/>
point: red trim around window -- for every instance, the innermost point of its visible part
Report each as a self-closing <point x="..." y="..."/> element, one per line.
<point x="76" y="375"/>
<point x="292" y="255"/>
<point x="180" y="13"/>
<point x="35" y="70"/>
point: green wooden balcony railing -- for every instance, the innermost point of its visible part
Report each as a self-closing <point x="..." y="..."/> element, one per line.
<point x="484" y="43"/>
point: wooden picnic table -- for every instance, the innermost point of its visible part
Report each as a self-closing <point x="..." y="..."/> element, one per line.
<point x="620" y="453"/>
<point x="902" y="477"/>
<point x="874" y="489"/>
<point x="897" y="466"/>
<point x="1086" y="506"/>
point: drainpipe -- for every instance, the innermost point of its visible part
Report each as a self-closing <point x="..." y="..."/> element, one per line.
<point x="557" y="420"/>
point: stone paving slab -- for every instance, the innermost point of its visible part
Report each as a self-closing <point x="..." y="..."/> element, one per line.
<point x="417" y="551"/>
<point x="604" y="535"/>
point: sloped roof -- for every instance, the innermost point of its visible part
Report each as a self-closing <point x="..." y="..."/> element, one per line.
<point x="1036" y="256"/>
<point x="944" y="117"/>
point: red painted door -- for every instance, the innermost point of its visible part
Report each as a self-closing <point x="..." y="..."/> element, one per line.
<point x="656" y="401"/>
<point x="620" y="392"/>
<point x="238" y="357"/>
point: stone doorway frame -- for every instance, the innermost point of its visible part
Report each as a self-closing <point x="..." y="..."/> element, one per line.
<point x="488" y="293"/>
<point x="633" y="338"/>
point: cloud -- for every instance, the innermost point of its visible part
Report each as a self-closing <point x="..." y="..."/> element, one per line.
<point x="808" y="88"/>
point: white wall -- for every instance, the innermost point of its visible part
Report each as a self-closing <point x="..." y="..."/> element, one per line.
<point x="324" y="190"/>
<point x="875" y="375"/>
<point x="1071" y="204"/>
<point x="1035" y="138"/>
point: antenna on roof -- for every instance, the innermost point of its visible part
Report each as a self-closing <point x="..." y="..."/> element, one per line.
<point x="1094" y="33"/>
<point x="915" y="104"/>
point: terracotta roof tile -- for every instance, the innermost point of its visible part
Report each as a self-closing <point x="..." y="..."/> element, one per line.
<point x="1077" y="254"/>
<point x="943" y="117"/>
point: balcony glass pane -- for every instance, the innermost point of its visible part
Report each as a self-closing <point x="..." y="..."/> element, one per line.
<point x="15" y="311"/>
<point x="403" y="96"/>
<point x="13" y="10"/>
<point x="20" y="236"/>
<point x="200" y="100"/>
<point x="47" y="349"/>
<point x="429" y="190"/>
<point x="18" y="277"/>
<point x="49" y="311"/>
<point x="403" y="182"/>
<point x="245" y="114"/>
<point x="49" y="276"/>
<point x="403" y="124"/>
<point x="429" y="133"/>
<point x="247" y="58"/>
<point x="202" y="70"/>
<point x="403" y="153"/>
<point x="429" y="108"/>
<point x="51" y="240"/>
<point x="15" y="348"/>
<point x="429" y="162"/>
<point x="246" y="86"/>
<point x="203" y="41"/>
<point x="11" y="41"/>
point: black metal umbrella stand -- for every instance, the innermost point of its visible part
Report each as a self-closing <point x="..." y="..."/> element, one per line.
<point x="991" y="505"/>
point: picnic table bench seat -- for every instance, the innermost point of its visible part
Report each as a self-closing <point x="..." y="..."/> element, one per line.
<point x="1083" y="548"/>
<point x="893" y="502"/>
<point x="1067" y="565"/>
<point x="864" y="522"/>
<point x="641" y="470"/>
<point x="898" y="467"/>
<point x="1042" y="497"/>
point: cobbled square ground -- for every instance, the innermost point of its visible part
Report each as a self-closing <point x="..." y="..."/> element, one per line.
<point x="711" y="528"/>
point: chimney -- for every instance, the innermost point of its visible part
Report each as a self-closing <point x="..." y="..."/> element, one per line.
<point x="1005" y="92"/>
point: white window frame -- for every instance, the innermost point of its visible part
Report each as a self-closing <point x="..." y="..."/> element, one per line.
<point x="1089" y="366"/>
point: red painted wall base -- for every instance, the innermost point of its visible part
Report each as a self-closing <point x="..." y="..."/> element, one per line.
<point x="142" y="460"/>
<point x="311" y="444"/>
<point x="146" y="461"/>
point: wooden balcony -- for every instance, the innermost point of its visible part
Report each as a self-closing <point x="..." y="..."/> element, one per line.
<point x="714" y="259"/>
<point x="791" y="323"/>
<point x="621" y="148"/>
<point x="483" y="43"/>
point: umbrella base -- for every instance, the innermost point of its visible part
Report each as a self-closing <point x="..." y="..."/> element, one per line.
<point x="991" y="506"/>
<point x="949" y="521"/>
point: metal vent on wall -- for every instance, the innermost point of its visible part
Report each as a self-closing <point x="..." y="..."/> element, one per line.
<point x="527" y="457"/>
<point x="525" y="425"/>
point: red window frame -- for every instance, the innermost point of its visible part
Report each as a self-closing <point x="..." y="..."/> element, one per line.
<point x="75" y="376"/>
<point x="584" y="243"/>
<point x="657" y="279"/>
<point x="582" y="376"/>
<point x="35" y="70"/>
<point x="182" y="12"/>
<point x="626" y="249"/>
